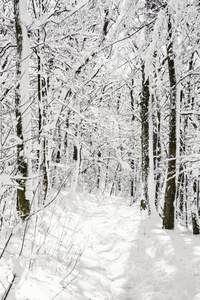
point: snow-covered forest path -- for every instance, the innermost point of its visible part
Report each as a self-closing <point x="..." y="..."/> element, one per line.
<point x="111" y="229"/>
<point x="101" y="248"/>
<point x="127" y="258"/>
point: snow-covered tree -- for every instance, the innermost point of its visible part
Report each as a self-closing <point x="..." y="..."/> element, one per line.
<point x="22" y="108"/>
<point x="170" y="190"/>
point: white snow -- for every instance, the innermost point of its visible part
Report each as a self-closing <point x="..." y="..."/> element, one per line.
<point x="100" y="248"/>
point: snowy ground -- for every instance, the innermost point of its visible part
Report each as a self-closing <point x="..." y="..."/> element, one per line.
<point x="98" y="248"/>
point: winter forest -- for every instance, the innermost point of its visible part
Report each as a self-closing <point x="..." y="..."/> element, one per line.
<point x="99" y="149"/>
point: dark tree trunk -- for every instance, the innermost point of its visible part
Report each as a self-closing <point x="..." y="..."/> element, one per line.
<point x="195" y="217"/>
<point x="132" y="101"/>
<point x="42" y="94"/>
<point x="98" y="169"/>
<point x="145" y="134"/>
<point x="132" y="164"/>
<point x="67" y="128"/>
<point x="195" y="224"/>
<point x="42" y="98"/>
<point x="170" y="191"/>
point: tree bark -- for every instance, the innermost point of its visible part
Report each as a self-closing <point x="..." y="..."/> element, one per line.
<point x="145" y="135"/>
<point x="42" y="90"/>
<point x="22" y="108"/>
<point x="170" y="191"/>
<point x="194" y="213"/>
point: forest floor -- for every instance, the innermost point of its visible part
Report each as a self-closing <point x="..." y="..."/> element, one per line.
<point x="101" y="248"/>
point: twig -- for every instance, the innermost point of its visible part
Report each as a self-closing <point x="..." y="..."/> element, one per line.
<point x="54" y="198"/>
<point x="22" y="246"/>
<point x="9" y="288"/>
<point x="6" y="244"/>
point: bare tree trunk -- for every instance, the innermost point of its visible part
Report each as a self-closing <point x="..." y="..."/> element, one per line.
<point x="22" y="108"/>
<point x="194" y="213"/>
<point x="145" y="135"/>
<point x="42" y="89"/>
<point x="170" y="191"/>
<point x="76" y="156"/>
<point x="157" y="151"/>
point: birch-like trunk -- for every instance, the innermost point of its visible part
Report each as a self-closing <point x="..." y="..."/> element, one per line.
<point x="22" y="108"/>
<point x="151" y="184"/>
<point x="42" y="90"/>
